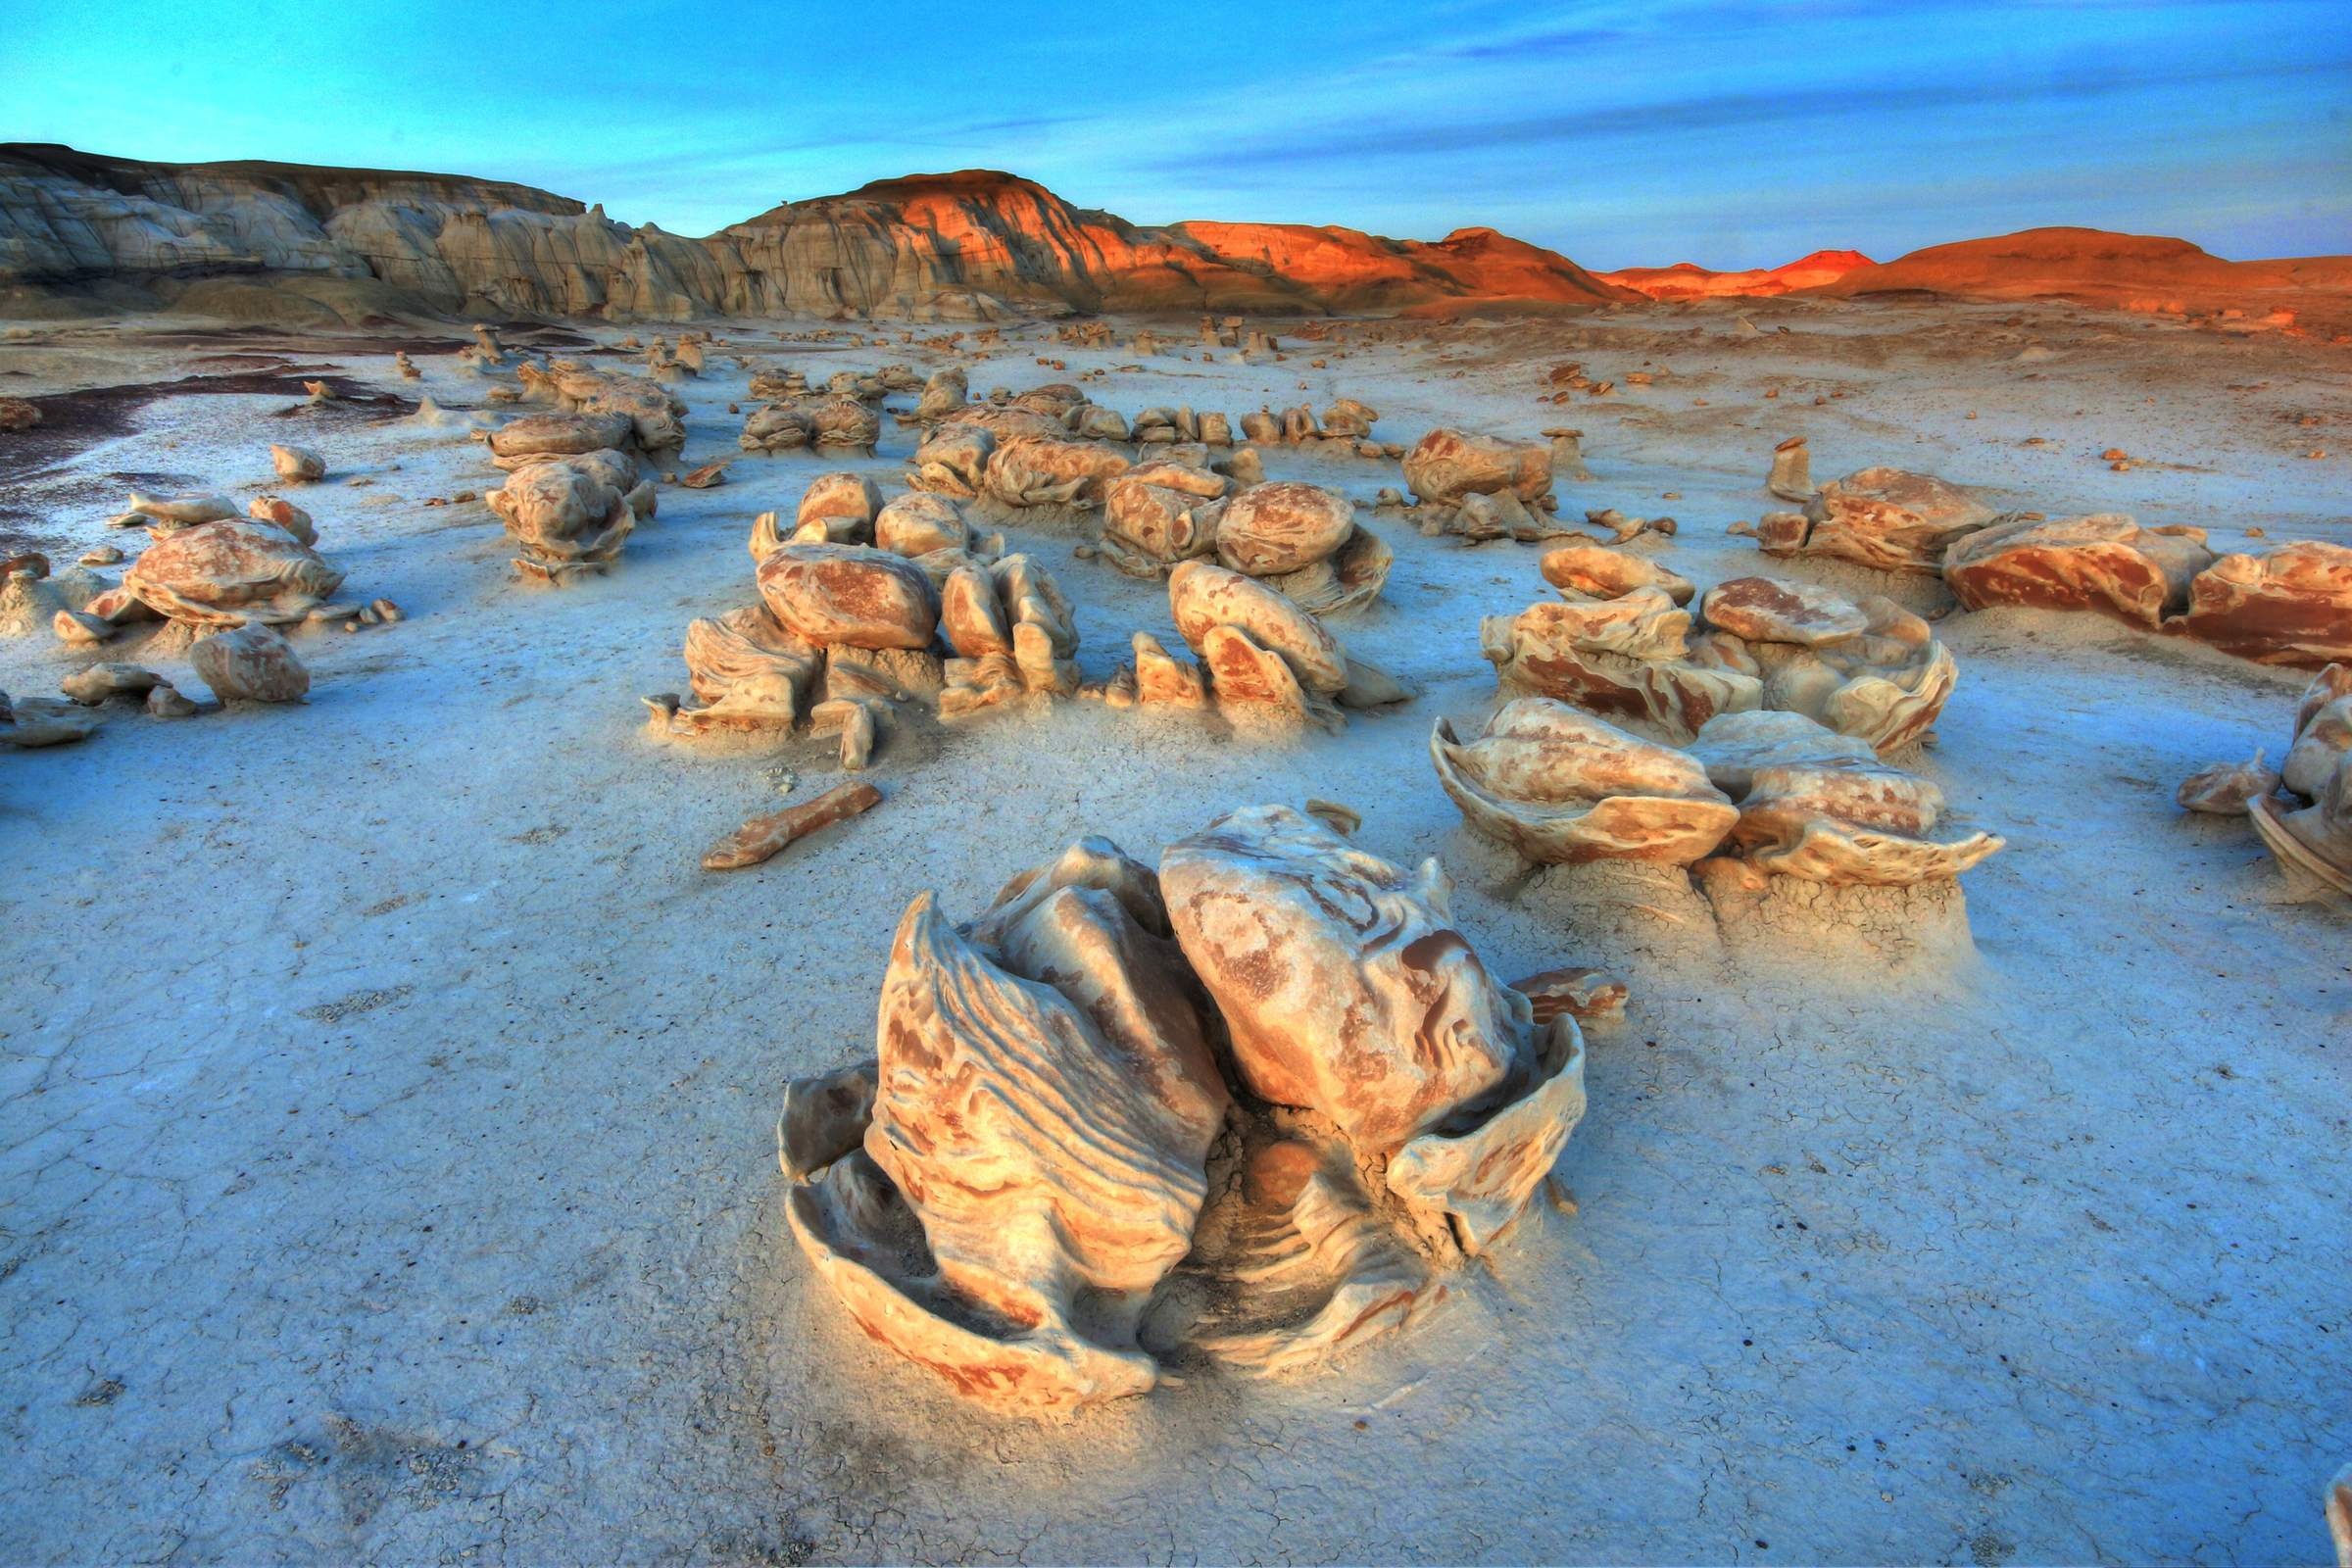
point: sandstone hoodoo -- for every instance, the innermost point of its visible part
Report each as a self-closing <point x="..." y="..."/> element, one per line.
<point x="1266" y="1220"/>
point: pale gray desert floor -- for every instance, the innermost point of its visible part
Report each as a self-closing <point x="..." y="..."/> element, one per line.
<point x="385" y="1093"/>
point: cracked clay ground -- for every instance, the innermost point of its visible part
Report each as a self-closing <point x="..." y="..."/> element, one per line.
<point x="385" y="1165"/>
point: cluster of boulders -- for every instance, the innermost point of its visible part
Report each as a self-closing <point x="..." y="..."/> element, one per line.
<point x="1771" y="788"/>
<point x="2303" y="808"/>
<point x="654" y="417"/>
<point x="1301" y="539"/>
<point x="209" y="570"/>
<point x="1049" y="1179"/>
<point x="1485" y="487"/>
<point x="2291" y="605"/>
<point x="846" y="415"/>
<point x="1263" y="659"/>
<point x="1235" y="332"/>
<point x="854" y="604"/>
<point x="577" y="487"/>
<point x="1622" y="640"/>
<point x="214" y="584"/>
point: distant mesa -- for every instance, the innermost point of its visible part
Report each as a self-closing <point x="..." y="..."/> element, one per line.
<point x="1687" y="280"/>
<point x="291" y="245"/>
<point x="2118" y="271"/>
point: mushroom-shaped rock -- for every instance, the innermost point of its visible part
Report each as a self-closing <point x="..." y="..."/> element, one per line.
<point x="2106" y="562"/>
<point x="1811" y="810"/>
<point x="1446" y="465"/>
<point x="250" y="664"/>
<point x="919" y="523"/>
<point x="1563" y="786"/>
<point x="1891" y="519"/>
<point x="1282" y="526"/>
<point x="1596" y="571"/>
<point x="850" y="595"/>
<point x="228" y="573"/>
<point x="837" y="509"/>
<point x="565" y="522"/>
<point x="1345" y="986"/>
<point x="1203" y="596"/>
<point x="2293" y="605"/>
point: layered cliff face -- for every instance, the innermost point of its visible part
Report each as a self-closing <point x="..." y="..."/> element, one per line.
<point x="1687" y="280"/>
<point x="966" y="246"/>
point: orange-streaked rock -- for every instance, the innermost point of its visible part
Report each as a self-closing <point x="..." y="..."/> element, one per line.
<point x="2106" y="562"/>
<point x="2293" y="605"/>
<point x="850" y="595"/>
<point x="1563" y="786"/>
<point x="230" y="573"/>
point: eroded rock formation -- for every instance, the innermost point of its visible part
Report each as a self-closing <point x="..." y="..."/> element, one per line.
<point x="1481" y="486"/>
<point x="1619" y="644"/>
<point x="1044" y="1185"/>
<point x="2303" y="812"/>
<point x="1561" y="787"/>
<point x="2107" y="563"/>
<point x="1263" y="658"/>
<point x="309" y="244"/>
<point x="1886" y="518"/>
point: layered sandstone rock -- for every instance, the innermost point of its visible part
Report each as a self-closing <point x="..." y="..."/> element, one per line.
<point x="1044" y="1182"/>
<point x="2107" y="563"/>
<point x="2293" y="605"/>
<point x="1481" y="486"/>
<point x="966" y="246"/>
<point x="1868" y="669"/>
<point x="1885" y="518"/>
<point x="1809" y="808"/>
<point x="233" y="571"/>
<point x="566" y="520"/>
<point x="1563" y="786"/>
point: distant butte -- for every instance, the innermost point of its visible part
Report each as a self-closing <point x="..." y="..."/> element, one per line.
<point x="288" y="244"/>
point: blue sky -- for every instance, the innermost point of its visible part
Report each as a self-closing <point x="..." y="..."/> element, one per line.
<point x="1734" y="135"/>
